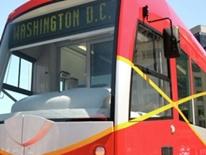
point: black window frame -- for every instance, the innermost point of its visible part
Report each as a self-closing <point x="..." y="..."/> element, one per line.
<point x="17" y="89"/>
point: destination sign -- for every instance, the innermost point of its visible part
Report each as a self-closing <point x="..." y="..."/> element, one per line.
<point x="83" y="18"/>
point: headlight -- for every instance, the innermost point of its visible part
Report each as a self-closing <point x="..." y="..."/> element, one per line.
<point x="100" y="150"/>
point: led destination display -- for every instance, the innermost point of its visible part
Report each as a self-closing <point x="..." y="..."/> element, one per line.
<point x="78" y="19"/>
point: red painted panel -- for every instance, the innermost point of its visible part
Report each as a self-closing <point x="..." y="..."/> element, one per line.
<point x="147" y="138"/>
<point x="174" y="88"/>
<point x="26" y="7"/>
<point x="127" y="28"/>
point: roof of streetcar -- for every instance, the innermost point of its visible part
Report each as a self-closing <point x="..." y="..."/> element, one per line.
<point x="28" y="6"/>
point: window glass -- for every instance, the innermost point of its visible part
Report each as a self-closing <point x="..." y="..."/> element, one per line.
<point x="88" y="64"/>
<point x="5" y="103"/>
<point x="19" y="73"/>
<point x="149" y="51"/>
<point x="184" y="85"/>
<point x="199" y="85"/>
<point x="17" y="82"/>
<point x="73" y="68"/>
<point x="145" y="99"/>
<point x="149" y="58"/>
<point x="86" y="69"/>
<point x="25" y="75"/>
<point x="7" y="99"/>
<point x="101" y="64"/>
<point x="12" y="71"/>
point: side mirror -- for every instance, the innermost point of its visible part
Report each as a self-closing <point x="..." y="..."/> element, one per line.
<point x="171" y="42"/>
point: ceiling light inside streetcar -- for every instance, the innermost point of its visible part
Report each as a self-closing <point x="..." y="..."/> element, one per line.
<point x="84" y="48"/>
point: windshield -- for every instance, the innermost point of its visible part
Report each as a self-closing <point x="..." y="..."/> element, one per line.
<point x="61" y="63"/>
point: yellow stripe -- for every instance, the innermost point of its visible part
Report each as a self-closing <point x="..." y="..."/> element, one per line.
<point x="183" y="116"/>
<point x="127" y="61"/>
<point x="143" y="117"/>
<point x="145" y="77"/>
<point x="189" y="98"/>
<point x="82" y="143"/>
<point x="152" y="84"/>
<point x="4" y="153"/>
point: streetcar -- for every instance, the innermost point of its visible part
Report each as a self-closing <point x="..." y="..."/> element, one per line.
<point x="101" y="77"/>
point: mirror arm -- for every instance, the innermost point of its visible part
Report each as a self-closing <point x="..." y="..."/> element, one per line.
<point x="161" y="19"/>
<point x="171" y="41"/>
<point x="145" y="13"/>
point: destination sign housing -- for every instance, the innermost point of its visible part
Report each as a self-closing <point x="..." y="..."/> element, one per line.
<point x="79" y="19"/>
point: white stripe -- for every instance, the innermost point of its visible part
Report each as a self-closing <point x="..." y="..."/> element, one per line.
<point x="122" y="96"/>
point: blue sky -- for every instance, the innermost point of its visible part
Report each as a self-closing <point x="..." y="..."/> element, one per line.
<point x="6" y="7"/>
<point x="192" y="12"/>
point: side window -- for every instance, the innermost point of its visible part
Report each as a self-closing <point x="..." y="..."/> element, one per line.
<point x="17" y="82"/>
<point x="195" y="110"/>
<point x="199" y="85"/>
<point x="184" y="85"/>
<point x="19" y="73"/>
<point x="149" y="57"/>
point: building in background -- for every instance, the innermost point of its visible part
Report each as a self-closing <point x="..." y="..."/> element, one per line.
<point x="200" y="33"/>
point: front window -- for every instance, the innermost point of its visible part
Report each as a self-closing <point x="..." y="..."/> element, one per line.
<point x="149" y="57"/>
<point x="70" y="75"/>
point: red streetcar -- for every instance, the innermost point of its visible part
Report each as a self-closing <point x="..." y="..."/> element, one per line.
<point x="101" y="77"/>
